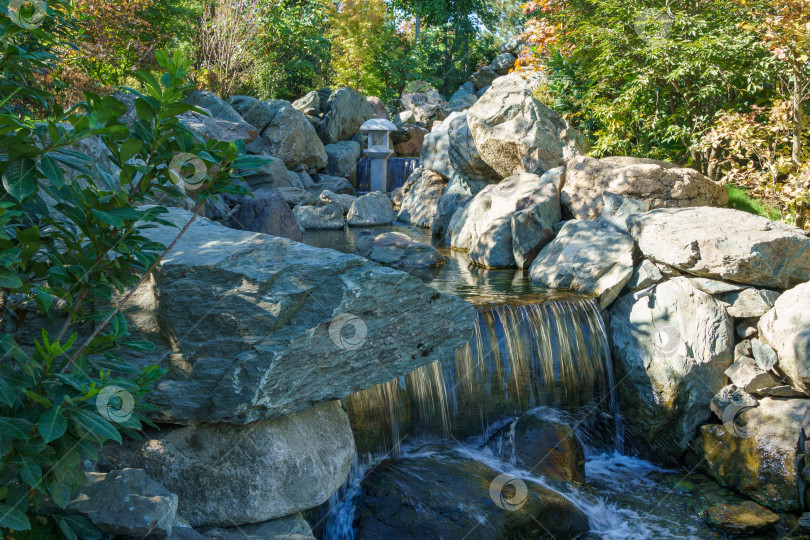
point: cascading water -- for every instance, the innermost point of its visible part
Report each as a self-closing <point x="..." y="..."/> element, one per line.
<point x="520" y="357"/>
<point x="399" y="169"/>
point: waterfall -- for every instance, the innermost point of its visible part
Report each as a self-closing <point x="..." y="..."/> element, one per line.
<point x="399" y="169"/>
<point x="519" y="357"/>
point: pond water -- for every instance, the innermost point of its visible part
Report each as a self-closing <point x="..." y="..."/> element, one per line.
<point x="535" y="350"/>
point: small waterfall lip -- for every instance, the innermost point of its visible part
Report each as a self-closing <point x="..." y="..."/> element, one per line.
<point x="399" y="169"/>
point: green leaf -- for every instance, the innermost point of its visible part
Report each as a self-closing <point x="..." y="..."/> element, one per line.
<point x="139" y="345"/>
<point x="129" y="148"/>
<point x="109" y="219"/>
<point x="80" y="525"/>
<point x="96" y="425"/>
<point x="30" y="472"/>
<point x="9" y="279"/>
<point x="7" y="394"/>
<point x="20" y="178"/>
<point x="13" y="519"/>
<point x="45" y="402"/>
<point x="52" y="424"/>
<point x="52" y="171"/>
<point x="16" y="428"/>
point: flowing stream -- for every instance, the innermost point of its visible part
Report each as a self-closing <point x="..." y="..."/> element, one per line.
<point x="532" y="350"/>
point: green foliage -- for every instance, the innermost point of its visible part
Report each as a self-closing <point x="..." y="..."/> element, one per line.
<point x="71" y="244"/>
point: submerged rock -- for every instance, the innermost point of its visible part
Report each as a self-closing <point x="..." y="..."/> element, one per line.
<point x="447" y="495"/>
<point x="399" y="251"/>
<point x="226" y="475"/>
<point x="725" y="244"/>
<point x="252" y="326"/>
<point x="760" y="452"/>
<point x="746" y="518"/>
<point x="660" y="184"/>
<point x="589" y="257"/>
<point x="671" y="350"/>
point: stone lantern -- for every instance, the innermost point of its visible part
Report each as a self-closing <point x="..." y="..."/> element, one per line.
<point x="379" y="150"/>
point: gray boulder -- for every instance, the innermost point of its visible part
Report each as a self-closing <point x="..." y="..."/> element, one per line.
<point x="263" y="307"/>
<point x="218" y="107"/>
<point x="342" y="159"/>
<point x="458" y="195"/>
<point x="125" y="502"/>
<point x="464" y="98"/>
<point x="310" y="104"/>
<point x="427" y="107"/>
<point x="503" y="63"/>
<point x="371" y="209"/>
<point x="330" y="197"/>
<point x="336" y="184"/>
<point x="272" y="175"/>
<point x="749" y="302"/>
<point x="286" y="132"/>
<point x="786" y="328"/>
<point x="412" y="146"/>
<point x="378" y="108"/>
<point x="671" y="350"/>
<point x="589" y="257"/>
<point x="398" y="250"/>
<point x="645" y="275"/>
<point x="267" y="212"/>
<point x="295" y="196"/>
<point x="483" y="77"/>
<point x="435" y="153"/>
<point x="764" y="354"/>
<point x="293" y="527"/>
<point x="210" y="127"/>
<point x="312" y="218"/>
<point x="420" y="203"/>
<point x="464" y="156"/>
<point x="660" y="184"/>
<point x="516" y="133"/>
<point x="726" y="244"/>
<point x="745" y="374"/>
<point x="345" y="112"/>
<point x="226" y="475"/>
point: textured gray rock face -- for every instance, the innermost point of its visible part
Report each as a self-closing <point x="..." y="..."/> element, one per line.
<point x="295" y="196"/>
<point x="126" y="502"/>
<point x="210" y="127"/>
<point x="345" y="112"/>
<point x="399" y="251"/>
<point x="272" y="175"/>
<point x="786" y="328"/>
<point x="464" y="156"/>
<point x="761" y="453"/>
<point x="238" y="317"/>
<point x="336" y="184"/>
<point x="227" y="475"/>
<point x="464" y="98"/>
<point x="671" y="350"/>
<point x="312" y="218"/>
<point x="330" y="197"/>
<point x="435" y="153"/>
<point x="589" y="257"/>
<point x="749" y="302"/>
<point x="218" y="107"/>
<point x="427" y="106"/>
<point x="309" y="104"/>
<point x="378" y="109"/>
<point x="293" y="527"/>
<point x="267" y="212"/>
<point x="483" y="77"/>
<point x="745" y="374"/>
<point x="342" y="159"/>
<point x="726" y="244"/>
<point x="371" y="209"/>
<point x="660" y="184"/>
<point x="516" y="133"/>
<point x="413" y="145"/>
<point x="286" y="132"/>
<point x="645" y="275"/>
<point x="419" y="205"/>
<point x="503" y="63"/>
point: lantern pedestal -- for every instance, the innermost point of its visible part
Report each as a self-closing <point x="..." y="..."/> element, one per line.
<point x="379" y="150"/>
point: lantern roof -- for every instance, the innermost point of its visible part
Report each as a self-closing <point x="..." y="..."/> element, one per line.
<point x="378" y="124"/>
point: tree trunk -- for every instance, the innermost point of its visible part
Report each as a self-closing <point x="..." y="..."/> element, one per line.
<point x="416" y="25"/>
